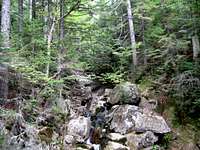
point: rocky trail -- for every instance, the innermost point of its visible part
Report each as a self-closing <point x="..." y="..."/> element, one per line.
<point x="89" y="116"/>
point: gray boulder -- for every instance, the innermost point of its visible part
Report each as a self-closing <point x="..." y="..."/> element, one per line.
<point x="139" y="141"/>
<point x="79" y="128"/>
<point x="115" y="146"/>
<point x="116" y="137"/>
<point x="123" y="118"/>
<point x="151" y="122"/>
<point x="127" y="118"/>
<point x="125" y="93"/>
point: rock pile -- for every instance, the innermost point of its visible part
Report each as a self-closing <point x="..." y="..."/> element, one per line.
<point x="91" y="116"/>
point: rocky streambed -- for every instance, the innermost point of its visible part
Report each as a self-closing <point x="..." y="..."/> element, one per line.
<point x="88" y="116"/>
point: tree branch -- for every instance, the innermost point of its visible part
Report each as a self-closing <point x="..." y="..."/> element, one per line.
<point x="71" y="10"/>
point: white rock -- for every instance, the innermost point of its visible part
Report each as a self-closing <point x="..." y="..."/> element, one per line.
<point x="128" y="118"/>
<point x="79" y="128"/>
<point x="115" y="146"/>
<point x="116" y="137"/>
<point x="138" y="141"/>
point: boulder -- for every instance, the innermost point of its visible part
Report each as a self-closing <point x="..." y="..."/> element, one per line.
<point x="148" y="104"/>
<point x="116" y="137"/>
<point x="69" y="139"/>
<point x="79" y="128"/>
<point x="125" y="93"/>
<point x="149" y="122"/>
<point x="139" y="141"/>
<point x="128" y="118"/>
<point x="123" y="118"/>
<point x="115" y="146"/>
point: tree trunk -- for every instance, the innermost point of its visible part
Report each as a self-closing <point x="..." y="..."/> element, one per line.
<point x="21" y="14"/>
<point x="5" y="24"/>
<point x="30" y="10"/>
<point x="49" y="40"/>
<point x="34" y="9"/>
<point x="143" y="36"/>
<point x="3" y="81"/>
<point x="61" y="34"/>
<point x="132" y="34"/>
<point x="196" y="46"/>
<point x="46" y="15"/>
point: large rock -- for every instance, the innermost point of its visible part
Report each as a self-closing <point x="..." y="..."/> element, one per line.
<point x="148" y="104"/>
<point x="127" y="118"/>
<point x="148" y="122"/>
<point x="79" y="128"/>
<point x="125" y="93"/>
<point x="123" y="118"/>
<point x="116" y="137"/>
<point x="115" y="146"/>
<point x="138" y="141"/>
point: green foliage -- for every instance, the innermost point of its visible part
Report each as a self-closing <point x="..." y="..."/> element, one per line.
<point x="186" y="95"/>
<point x="1" y="140"/>
<point x="111" y="78"/>
<point x="155" y="147"/>
<point x="166" y="140"/>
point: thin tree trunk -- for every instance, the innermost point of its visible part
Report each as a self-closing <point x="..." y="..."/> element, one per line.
<point x="46" y="12"/>
<point x="49" y="40"/>
<point x="196" y="46"/>
<point x="30" y="10"/>
<point x="21" y="14"/>
<point x="143" y="37"/>
<point x="3" y="81"/>
<point x="5" y="24"/>
<point x="61" y="34"/>
<point x="132" y="34"/>
<point x="34" y="9"/>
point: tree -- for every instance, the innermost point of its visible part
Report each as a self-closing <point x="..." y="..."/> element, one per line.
<point x="5" y="24"/>
<point x="61" y="36"/>
<point x="132" y="34"/>
<point x="21" y="14"/>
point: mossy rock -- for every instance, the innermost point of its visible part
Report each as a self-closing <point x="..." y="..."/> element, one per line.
<point x="125" y="93"/>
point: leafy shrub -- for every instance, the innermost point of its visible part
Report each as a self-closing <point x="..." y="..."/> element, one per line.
<point x="111" y="78"/>
<point x="186" y="95"/>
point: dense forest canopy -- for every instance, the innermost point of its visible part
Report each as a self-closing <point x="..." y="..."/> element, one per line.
<point x="152" y="43"/>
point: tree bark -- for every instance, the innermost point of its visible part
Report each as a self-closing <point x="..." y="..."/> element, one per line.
<point x="3" y="81"/>
<point x="30" y="10"/>
<point x="49" y="41"/>
<point x="34" y="9"/>
<point x="5" y="24"/>
<point x="196" y="46"/>
<point x="132" y="34"/>
<point x="143" y="36"/>
<point x="46" y="18"/>
<point x="61" y="36"/>
<point x="21" y="14"/>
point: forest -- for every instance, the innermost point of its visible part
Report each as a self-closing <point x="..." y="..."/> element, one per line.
<point x="100" y="75"/>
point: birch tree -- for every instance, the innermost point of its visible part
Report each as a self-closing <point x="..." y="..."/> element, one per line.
<point x="132" y="34"/>
<point x="5" y="24"/>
